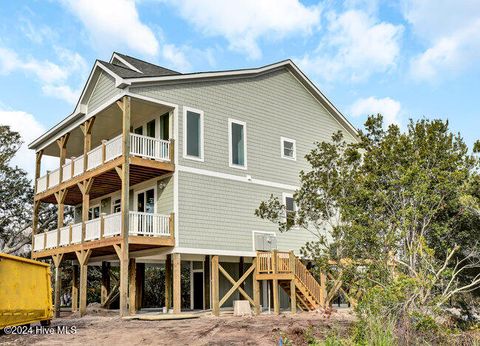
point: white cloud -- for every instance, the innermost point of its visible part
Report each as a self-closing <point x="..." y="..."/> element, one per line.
<point x="176" y="57"/>
<point x="451" y="30"/>
<point x="389" y="108"/>
<point x="53" y="77"/>
<point x="355" y="46"/>
<point x="29" y="128"/>
<point x="114" y="23"/>
<point x="243" y="23"/>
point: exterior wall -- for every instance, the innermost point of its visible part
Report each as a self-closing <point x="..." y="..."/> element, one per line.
<point x="216" y="213"/>
<point x="273" y="105"/>
<point x="104" y="91"/>
<point x="165" y="196"/>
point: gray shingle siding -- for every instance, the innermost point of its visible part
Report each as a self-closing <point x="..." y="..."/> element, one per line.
<point x="216" y="213"/>
<point x="104" y="91"/>
<point x="272" y="105"/>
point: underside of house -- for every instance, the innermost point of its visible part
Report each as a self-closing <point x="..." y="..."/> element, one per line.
<point x="154" y="166"/>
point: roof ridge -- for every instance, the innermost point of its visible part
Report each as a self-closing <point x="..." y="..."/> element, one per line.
<point x="144" y="61"/>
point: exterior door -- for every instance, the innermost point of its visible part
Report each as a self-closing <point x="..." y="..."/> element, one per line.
<point x="198" y="290"/>
<point x="146" y="206"/>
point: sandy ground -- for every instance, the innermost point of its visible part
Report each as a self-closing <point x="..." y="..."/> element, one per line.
<point x="104" y="329"/>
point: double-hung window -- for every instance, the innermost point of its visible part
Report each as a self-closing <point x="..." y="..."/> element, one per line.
<point x="290" y="209"/>
<point x="289" y="148"/>
<point x="193" y="134"/>
<point x="237" y="143"/>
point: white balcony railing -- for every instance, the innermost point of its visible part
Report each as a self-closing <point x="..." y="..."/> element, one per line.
<point x="51" y="239"/>
<point x="94" y="158"/>
<point x="64" y="236"/>
<point x="140" y="224"/>
<point x="113" y="148"/>
<point x="112" y="224"/>
<point x="77" y="233"/>
<point x="149" y="224"/>
<point x="54" y="178"/>
<point x="149" y="147"/>
<point x="67" y="171"/>
<point x="42" y="184"/>
<point x="143" y="146"/>
<point x="78" y="166"/>
<point x="92" y="229"/>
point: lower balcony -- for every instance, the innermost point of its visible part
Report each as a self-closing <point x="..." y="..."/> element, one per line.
<point x="145" y="230"/>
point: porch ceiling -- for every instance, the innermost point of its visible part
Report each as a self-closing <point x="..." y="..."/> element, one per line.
<point x="108" y="124"/>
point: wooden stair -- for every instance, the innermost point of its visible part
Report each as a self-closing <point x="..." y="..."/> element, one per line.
<point x="286" y="267"/>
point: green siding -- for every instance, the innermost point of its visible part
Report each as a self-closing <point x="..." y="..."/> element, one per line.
<point x="104" y="91"/>
<point x="165" y="196"/>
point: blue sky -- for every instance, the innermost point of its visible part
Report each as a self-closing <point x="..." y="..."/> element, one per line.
<point x="409" y="59"/>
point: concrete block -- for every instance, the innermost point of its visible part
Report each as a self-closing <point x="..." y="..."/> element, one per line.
<point x="241" y="308"/>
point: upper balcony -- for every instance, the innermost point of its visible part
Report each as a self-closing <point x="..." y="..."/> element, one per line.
<point x="150" y="153"/>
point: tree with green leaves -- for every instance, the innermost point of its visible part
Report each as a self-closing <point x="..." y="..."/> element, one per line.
<point x="16" y="198"/>
<point x="403" y="207"/>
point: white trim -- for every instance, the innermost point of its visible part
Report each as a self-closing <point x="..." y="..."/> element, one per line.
<point x="125" y="62"/>
<point x="230" y="154"/>
<point x="243" y="179"/>
<point x="153" y="187"/>
<point x="261" y="232"/>
<point x="112" y="202"/>
<point x="175" y="176"/>
<point x="195" y="251"/>
<point x="91" y="207"/>
<point x="282" y="148"/>
<point x="185" y="155"/>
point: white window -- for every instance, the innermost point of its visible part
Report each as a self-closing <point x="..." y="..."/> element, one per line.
<point x="192" y="134"/>
<point x="290" y="208"/>
<point x="289" y="148"/>
<point x="237" y="143"/>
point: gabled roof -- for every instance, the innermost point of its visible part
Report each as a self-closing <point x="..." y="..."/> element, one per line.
<point x="129" y="67"/>
<point x="129" y="71"/>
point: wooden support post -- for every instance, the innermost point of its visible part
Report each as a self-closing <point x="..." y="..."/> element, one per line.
<point x="168" y="282"/>
<point x="177" y="284"/>
<point x="206" y="273"/>
<point x="256" y="289"/>
<point x="105" y="289"/>
<point x="57" y="260"/>
<point x="36" y="209"/>
<point x="293" y="288"/>
<point x="83" y="256"/>
<point x="323" y="289"/>
<point x="125" y="106"/>
<point x="74" y="288"/>
<point x="140" y="285"/>
<point x="215" y="287"/>
<point x="276" y="300"/>
<point x="171" y="153"/>
<point x="85" y="188"/>
<point x="87" y="140"/>
<point x="132" y="289"/>
<point x="62" y="146"/>
<point x="60" y="197"/>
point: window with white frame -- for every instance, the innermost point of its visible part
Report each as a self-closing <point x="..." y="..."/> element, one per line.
<point x="237" y="139"/>
<point x="290" y="209"/>
<point x="193" y="134"/>
<point x="94" y="212"/>
<point x="116" y="205"/>
<point x="289" y="150"/>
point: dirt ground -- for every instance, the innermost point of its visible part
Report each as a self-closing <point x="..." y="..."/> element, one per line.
<point x="106" y="329"/>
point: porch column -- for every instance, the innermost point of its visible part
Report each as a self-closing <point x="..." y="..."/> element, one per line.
<point x="206" y="273"/>
<point x="132" y="289"/>
<point x="62" y="146"/>
<point x="293" y="288"/>
<point x="85" y="187"/>
<point x="83" y="257"/>
<point x="86" y="128"/>
<point x="177" y="293"/>
<point x="124" y="173"/>
<point x="57" y="260"/>
<point x="105" y="289"/>
<point x="256" y="288"/>
<point x="60" y="198"/>
<point x="168" y="282"/>
<point x="74" y="288"/>
<point x="36" y="204"/>
<point x="276" y="300"/>
<point x="215" y="287"/>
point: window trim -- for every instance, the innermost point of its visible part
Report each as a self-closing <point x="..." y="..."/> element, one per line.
<point x="190" y="157"/>
<point x="112" y="203"/>
<point x="230" y="154"/>
<point x="286" y="195"/>
<point x="143" y="190"/>
<point x="92" y="207"/>
<point x="282" y="148"/>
